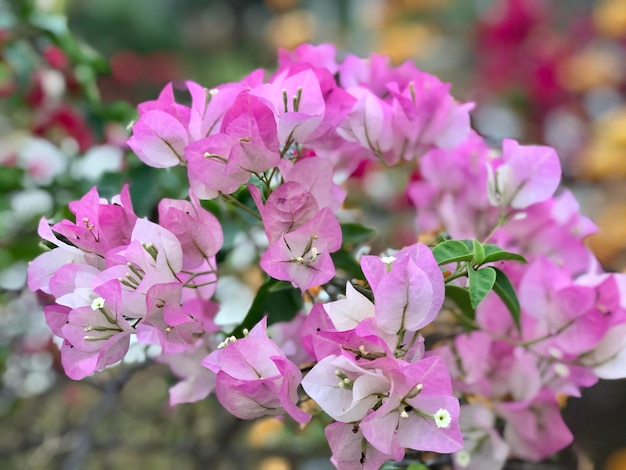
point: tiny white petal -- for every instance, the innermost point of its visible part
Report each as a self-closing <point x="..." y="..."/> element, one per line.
<point x="97" y="303"/>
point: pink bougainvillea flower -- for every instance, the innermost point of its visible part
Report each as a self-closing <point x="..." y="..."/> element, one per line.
<point x="419" y="414"/>
<point x="251" y="122"/>
<point x="287" y="337"/>
<point x="254" y="377"/>
<point x="289" y="207"/>
<point x="450" y="191"/>
<point x="349" y="312"/>
<point x="316" y="175"/>
<point x="526" y="175"/>
<point x="303" y="255"/>
<point x="42" y="268"/>
<point x="159" y="139"/>
<point x="166" y="322"/>
<point x="198" y="231"/>
<point x="608" y="359"/>
<point x="154" y="256"/>
<point x="97" y="335"/>
<point x="534" y="430"/>
<point x="160" y="134"/>
<point x="315" y="322"/>
<point x="561" y="309"/>
<point x="197" y="382"/>
<point x="208" y="107"/>
<point x="351" y="451"/>
<point x="343" y="389"/>
<point x="425" y="115"/>
<point x="208" y="170"/>
<point x="297" y="102"/>
<point x="408" y="288"/>
<point x="483" y="448"/>
<point x="369" y="123"/>
<point x="99" y="226"/>
<point x="322" y="55"/>
<point x="71" y="284"/>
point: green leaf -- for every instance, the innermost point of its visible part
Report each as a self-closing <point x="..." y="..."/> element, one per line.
<point x="451" y="251"/>
<point x="461" y="297"/>
<point x="495" y="253"/>
<point x="478" y="252"/>
<point x="143" y="191"/>
<point x="119" y="111"/>
<point x="346" y="262"/>
<point x="279" y="300"/>
<point x="506" y="292"/>
<point x="417" y="466"/>
<point x="403" y="466"/>
<point x="480" y="283"/>
<point x="353" y="234"/>
<point x="10" y="178"/>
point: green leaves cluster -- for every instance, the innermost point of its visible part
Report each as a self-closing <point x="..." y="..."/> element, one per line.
<point x="471" y="258"/>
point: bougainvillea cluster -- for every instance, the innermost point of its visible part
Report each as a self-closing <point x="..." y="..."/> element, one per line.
<point x="533" y="315"/>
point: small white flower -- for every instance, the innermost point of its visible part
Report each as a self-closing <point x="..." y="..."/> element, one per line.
<point x="462" y="458"/>
<point x="97" y="303"/>
<point x="442" y="418"/>
<point x="387" y="259"/>
<point x="561" y="370"/>
<point x="555" y="353"/>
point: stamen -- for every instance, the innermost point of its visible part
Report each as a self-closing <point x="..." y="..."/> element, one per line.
<point x="136" y="271"/>
<point x="285" y="101"/>
<point x="296" y="99"/>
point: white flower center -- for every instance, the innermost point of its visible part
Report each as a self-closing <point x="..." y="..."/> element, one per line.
<point x="443" y="418"/>
<point x="97" y="303"/>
